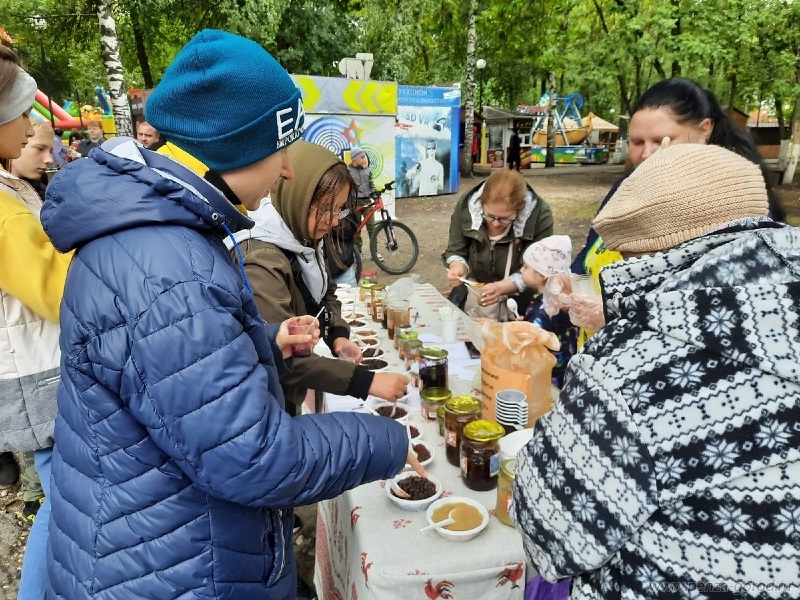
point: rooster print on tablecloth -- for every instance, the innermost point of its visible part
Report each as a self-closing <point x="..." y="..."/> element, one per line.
<point x="511" y="574"/>
<point x="441" y="590"/>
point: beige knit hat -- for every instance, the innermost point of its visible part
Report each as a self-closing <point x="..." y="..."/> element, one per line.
<point x="678" y="194"/>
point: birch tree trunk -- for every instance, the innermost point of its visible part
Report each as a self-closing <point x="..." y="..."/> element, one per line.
<point x="550" y="157"/>
<point x="109" y="52"/>
<point x="794" y="153"/>
<point x="469" y="93"/>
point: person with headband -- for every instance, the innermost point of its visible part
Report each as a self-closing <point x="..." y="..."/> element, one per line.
<point x="177" y="468"/>
<point x="671" y="454"/>
<point x="31" y="287"/>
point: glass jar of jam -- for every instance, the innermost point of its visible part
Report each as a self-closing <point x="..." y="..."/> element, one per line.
<point x="402" y="335"/>
<point x="364" y="294"/>
<point x="377" y="302"/>
<point x="433" y="368"/>
<point x="399" y="332"/>
<point x="480" y="454"/>
<point x="505" y="481"/>
<point x="369" y="275"/>
<point x="410" y="351"/>
<point x="440" y="420"/>
<point x="432" y="399"/>
<point x="458" y="412"/>
<point x="397" y="314"/>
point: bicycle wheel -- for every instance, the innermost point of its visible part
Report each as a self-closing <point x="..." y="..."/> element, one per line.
<point x="394" y="247"/>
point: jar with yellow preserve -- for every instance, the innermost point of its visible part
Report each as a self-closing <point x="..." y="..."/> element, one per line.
<point x="432" y="399"/>
<point x="378" y="302"/>
<point x="505" y="481"/>
<point x="480" y="454"/>
<point x="364" y="294"/>
<point x="458" y="411"/>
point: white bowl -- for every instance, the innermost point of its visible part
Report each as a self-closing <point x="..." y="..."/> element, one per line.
<point x="400" y="406"/>
<point x="458" y="536"/>
<point x="430" y="449"/>
<point x="413" y="505"/>
<point x="512" y="443"/>
<point x="376" y="352"/>
<point x="413" y="426"/>
<point x="366" y="331"/>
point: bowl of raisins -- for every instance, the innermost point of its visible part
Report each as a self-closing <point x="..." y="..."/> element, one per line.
<point x="422" y="492"/>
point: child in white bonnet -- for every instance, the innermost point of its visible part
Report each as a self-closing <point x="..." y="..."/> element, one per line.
<point x="542" y="260"/>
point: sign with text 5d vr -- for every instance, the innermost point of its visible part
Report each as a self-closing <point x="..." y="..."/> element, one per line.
<point x="344" y="114"/>
<point x="426" y="139"/>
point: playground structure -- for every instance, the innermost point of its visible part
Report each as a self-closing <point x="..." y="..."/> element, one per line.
<point x="71" y="116"/>
<point x="571" y="135"/>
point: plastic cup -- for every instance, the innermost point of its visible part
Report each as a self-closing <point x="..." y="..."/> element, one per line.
<point x="299" y="350"/>
<point x="349" y="354"/>
<point x="450" y="329"/>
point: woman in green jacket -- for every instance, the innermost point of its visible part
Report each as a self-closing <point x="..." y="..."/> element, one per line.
<point x="490" y="229"/>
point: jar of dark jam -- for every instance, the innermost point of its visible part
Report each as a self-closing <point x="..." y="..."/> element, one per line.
<point x="480" y="454"/>
<point x="458" y="412"/>
<point x="433" y="368"/>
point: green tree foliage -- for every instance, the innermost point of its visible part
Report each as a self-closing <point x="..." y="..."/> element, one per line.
<point x="609" y="51"/>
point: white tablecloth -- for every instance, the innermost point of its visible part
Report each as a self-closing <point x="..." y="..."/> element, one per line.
<point x="367" y="548"/>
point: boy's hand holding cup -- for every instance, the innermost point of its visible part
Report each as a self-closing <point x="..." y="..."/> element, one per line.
<point x="298" y="336"/>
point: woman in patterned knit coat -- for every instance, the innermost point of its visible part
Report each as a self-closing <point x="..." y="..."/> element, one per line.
<point x="669" y="466"/>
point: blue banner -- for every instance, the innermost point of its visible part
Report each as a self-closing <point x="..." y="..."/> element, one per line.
<point x="426" y="140"/>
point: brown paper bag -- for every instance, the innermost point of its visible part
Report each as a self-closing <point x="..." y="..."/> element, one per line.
<point x="515" y="356"/>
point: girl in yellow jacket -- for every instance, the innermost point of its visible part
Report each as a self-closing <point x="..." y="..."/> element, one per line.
<point x="31" y="286"/>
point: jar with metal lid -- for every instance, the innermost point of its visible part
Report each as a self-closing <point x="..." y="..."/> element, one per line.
<point x="410" y="351"/>
<point x="433" y="368"/>
<point x="397" y="314"/>
<point x="399" y="332"/>
<point x="364" y="294"/>
<point x="404" y="336"/>
<point x="432" y="399"/>
<point x="377" y="301"/>
<point x="458" y="412"/>
<point x="505" y="481"/>
<point x="369" y="275"/>
<point x="440" y="420"/>
<point x="480" y="454"/>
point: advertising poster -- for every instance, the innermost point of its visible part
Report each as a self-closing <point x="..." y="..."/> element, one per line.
<point x="426" y="139"/>
<point x="342" y="114"/>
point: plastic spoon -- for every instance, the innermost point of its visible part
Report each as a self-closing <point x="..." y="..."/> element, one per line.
<point x="512" y="306"/>
<point x="315" y="320"/>
<point x="469" y="282"/>
<point x="398" y="491"/>
<point x="443" y="523"/>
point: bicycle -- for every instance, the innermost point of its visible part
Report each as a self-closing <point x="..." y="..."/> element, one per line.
<point x="392" y="245"/>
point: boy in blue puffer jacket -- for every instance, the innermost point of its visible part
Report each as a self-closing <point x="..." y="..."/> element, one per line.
<point x="176" y="468"/>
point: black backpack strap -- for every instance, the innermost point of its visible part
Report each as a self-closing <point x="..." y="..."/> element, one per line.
<point x="312" y="306"/>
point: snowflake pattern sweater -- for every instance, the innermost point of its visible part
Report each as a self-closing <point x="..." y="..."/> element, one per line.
<point x="669" y="466"/>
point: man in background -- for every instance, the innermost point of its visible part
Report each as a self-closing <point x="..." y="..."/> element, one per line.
<point x="147" y="135"/>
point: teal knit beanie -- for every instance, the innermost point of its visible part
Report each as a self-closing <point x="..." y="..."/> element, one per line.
<point x="226" y="101"/>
